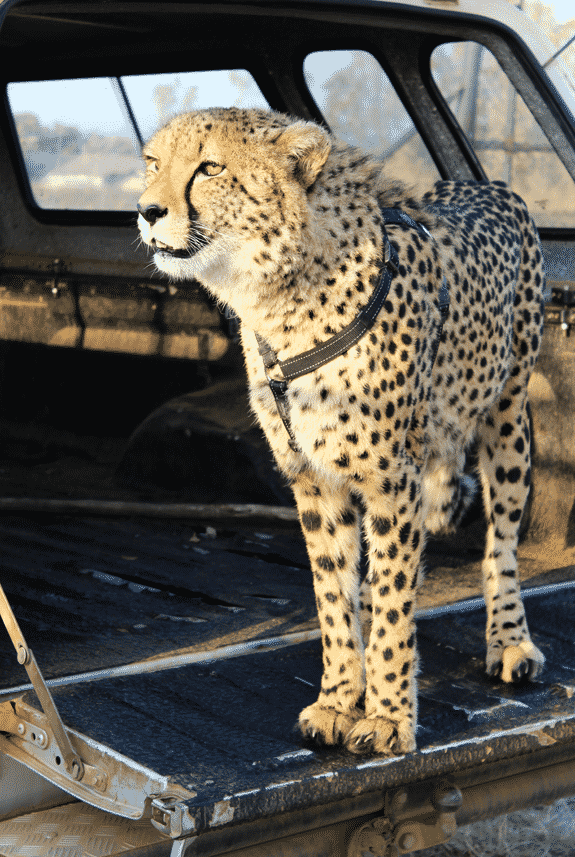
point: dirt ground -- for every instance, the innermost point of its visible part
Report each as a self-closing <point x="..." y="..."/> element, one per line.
<point x="546" y="831"/>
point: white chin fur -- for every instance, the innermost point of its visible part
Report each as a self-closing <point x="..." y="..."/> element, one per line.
<point x="177" y="269"/>
<point x="197" y="267"/>
<point x="218" y="267"/>
<point x="224" y="268"/>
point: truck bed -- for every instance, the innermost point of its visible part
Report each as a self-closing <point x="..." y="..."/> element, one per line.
<point x="217" y="626"/>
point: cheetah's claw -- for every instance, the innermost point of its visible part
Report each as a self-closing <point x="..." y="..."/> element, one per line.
<point x="380" y="735"/>
<point x="516" y="663"/>
<point x="326" y="725"/>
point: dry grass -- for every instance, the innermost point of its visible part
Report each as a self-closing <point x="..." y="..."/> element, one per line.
<point x="545" y="831"/>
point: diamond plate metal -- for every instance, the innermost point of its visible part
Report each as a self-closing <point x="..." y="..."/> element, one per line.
<point x="74" y="830"/>
<point x="121" y="785"/>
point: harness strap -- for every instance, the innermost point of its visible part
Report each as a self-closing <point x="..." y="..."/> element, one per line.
<point x="443" y="303"/>
<point x="307" y="361"/>
<point x="351" y="333"/>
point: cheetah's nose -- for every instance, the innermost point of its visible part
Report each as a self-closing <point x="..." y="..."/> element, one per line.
<point x="152" y="212"/>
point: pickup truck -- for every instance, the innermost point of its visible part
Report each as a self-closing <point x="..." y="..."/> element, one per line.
<point x="169" y="634"/>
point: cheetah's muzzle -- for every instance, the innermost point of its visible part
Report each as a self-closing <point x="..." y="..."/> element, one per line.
<point x="185" y="253"/>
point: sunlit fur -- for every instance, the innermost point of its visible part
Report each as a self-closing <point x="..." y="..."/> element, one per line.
<point x="284" y="226"/>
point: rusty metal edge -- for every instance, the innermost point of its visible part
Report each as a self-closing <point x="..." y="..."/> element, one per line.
<point x="265" y="644"/>
<point x="486" y="794"/>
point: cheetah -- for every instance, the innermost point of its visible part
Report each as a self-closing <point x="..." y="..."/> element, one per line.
<point x="299" y="235"/>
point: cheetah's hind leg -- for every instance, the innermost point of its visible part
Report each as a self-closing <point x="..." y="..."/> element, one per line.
<point x="365" y="609"/>
<point x="504" y="465"/>
<point x="449" y="494"/>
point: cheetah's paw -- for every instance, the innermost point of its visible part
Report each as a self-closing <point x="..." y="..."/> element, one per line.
<point x="380" y="735"/>
<point x="326" y="725"/>
<point x="515" y="662"/>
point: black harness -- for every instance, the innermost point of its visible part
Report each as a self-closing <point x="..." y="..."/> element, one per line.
<point x="306" y="362"/>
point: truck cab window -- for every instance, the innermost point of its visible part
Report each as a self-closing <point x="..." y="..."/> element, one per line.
<point x="155" y="98"/>
<point x="79" y="145"/>
<point x="362" y="108"/>
<point x="504" y="134"/>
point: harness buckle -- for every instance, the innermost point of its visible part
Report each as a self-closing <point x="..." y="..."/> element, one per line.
<point x="279" y="391"/>
<point x="390" y="259"/>
<point x="267" y="353"/>
<point x="278" y="388"/>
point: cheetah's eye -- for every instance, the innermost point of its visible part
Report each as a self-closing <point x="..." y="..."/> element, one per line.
<point x="209" y="168"/>
<point x="152" y="164"/>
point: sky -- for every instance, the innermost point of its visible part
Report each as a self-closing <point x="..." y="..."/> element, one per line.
<point x="72" y="102"/>
<point x="563" y="10"/>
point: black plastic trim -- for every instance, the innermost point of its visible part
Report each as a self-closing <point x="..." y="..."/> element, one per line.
<point x="455" y="20"/>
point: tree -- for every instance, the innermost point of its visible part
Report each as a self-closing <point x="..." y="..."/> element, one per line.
<point x="164" y="99"/>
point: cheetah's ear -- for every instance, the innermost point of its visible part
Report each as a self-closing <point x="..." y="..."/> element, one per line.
<point x="308" y="146"/>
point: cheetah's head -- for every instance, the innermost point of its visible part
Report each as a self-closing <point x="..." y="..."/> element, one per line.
<point x="226" y="193"/>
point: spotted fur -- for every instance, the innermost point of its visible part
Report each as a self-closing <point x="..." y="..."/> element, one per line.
<point x="282" y="223"/>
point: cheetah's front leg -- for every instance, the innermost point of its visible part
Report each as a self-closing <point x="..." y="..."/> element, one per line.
<point x="332" y="532"/>
<point x="394" y="528"/>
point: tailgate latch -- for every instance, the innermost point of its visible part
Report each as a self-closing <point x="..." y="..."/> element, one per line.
<point x="167" y="815"/>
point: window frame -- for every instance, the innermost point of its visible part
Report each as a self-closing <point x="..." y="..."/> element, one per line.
<point x="372" y="49"/>
<point x="364" y="24"/>
<point x="546" y="231"/>
<point x="79" y="216"/>
<point x="541" y="99"/>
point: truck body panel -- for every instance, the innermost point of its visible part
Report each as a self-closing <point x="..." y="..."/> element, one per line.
<point x="213" y="715"/>
<point x="179" y="650"/>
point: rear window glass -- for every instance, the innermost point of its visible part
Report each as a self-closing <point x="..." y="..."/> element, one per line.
<point x="504" y="133"/>
<point x="361" y="107"/>
<point x="80" y="139"/>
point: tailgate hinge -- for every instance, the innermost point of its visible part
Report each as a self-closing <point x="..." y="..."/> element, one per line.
<point x="78" y="764"/>
<point x="72" y="762"/>
<point x="561" y="308"/>
<point x="33" y="731"/>
<point x="415" y="817"/>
